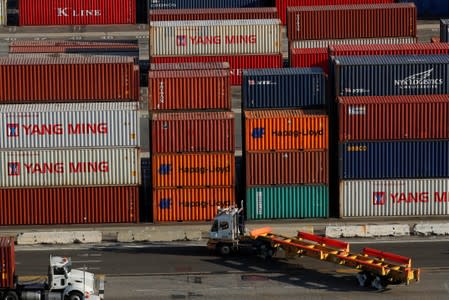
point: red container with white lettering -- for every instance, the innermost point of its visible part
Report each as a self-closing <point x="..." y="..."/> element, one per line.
<point x="80" y="205"/>
<point x="76" y="12"/>
<point x="237" y="63"/>
<point x="401" y="118"/>
<point x="212" y="14"/>
<point x="38" y="79"/>
<point x="351" y="21"/>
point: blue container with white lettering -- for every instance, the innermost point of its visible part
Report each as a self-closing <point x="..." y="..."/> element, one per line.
<point x="391" y="75"/>
<point x="394" y="160"/>
<point x="185" y="4"/>
<point x="284" y="88"/>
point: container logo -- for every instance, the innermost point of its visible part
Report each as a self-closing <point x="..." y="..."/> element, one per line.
<point x="165" y="169"/>
<point x="357" y="110"/>
<point x="419" y="81"/>
<point x="379" y="198"/>
<point x="157" y="4"/>
<point x="258" y="133"/>
<point x="13" y="169"/>
<point x="184" y="40"/>
<point x="181" y="40"/>
<point x="12" y="130"/>
<point x="71" y="12"/>
<point x="351" y="91"/>
<point x="165" y="203"/>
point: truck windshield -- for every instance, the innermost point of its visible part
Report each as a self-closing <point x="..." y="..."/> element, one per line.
<point x="215" y="226"/>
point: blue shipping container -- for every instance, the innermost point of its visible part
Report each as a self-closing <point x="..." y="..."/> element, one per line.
<point x="431" y="8"/>
<point x="183" y="4"/>
<point x="385" y="160"/>
<point x="391" y="75"/>
<point x="284" y="88"/>
<point x="444" y="30"/>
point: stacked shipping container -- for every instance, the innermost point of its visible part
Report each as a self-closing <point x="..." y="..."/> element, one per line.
<point x="74" y="162"/>
<point x="193" y="143"/>
<point x="285" y="150"/>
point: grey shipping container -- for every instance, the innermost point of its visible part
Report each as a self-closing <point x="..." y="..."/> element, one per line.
<point x="395" y="160"/>
<point x="391" y="75"/>
<point x="284" y="88"/>
<point x="444" y="30"/>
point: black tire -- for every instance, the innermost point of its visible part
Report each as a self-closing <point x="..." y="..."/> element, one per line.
<point x="10" y="295"/>
<point x="76" y="296"/>
<point x="224" y="249"/>
<point x="364" y="279"/>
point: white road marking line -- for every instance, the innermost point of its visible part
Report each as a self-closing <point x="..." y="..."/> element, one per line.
<point x="257" y="268"/>
<point x="86" y="261"/>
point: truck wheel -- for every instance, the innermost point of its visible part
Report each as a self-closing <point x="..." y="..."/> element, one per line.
<point x="224" y="249"/>
<point x="11" y="295"/>
<point x="76" y="296"/>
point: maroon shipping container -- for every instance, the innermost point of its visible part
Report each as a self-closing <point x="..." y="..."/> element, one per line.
<point x="70" y="78"/>
<point x="192" y="132"/>
<point x="63" y="46"/>
<point x="287" y="167"/>
<point x="351" y="21"/>
<point x="283" y="4"/>
<point x="45" y="206"/>
<point x="7" y="263"/>
<point x="237" y="63"/>
<point x="393" y="117"/>
<point x="389" y="49"/>
<point x="190" y="66"/>
<point x="212" y="14"/>
<point x="77" y="12"/>
<point x="309" y="57"/>
<point x="189" y="89"/>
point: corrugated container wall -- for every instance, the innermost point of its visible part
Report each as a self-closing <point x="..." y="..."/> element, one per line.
<point x="351" y="21"/>
<point x="7" y="263"/>
<point x="389" y="49"/>
<point x="402" y="117"/>
<point x="199" y="204"/>
<point x="391" y="75"/>
<point x="285" y="130"/>
<point x="287" y="202"/>
<point x="283" y="4"/>
<point x="394" y="159"/>
<point x="444" y="30"/>
<point x="69" y="125"/>
<point x="309" y="57"/>
<point x="367" y="41"/>
<point x="50" y="46"/>
<point x="81" y="205"/>
<point x="212" y="14"/>
<point x="193" y="170"/>
<point x="63" y="79"/>
<point x="76" y="12"/>
<point x="384" y="198"/>
<point x="215" y="37"/>
<point x="237" y="63"/>
<point x="189" y="89"/>
<point x="193" y="132"/>
<point x="179" y="4"/>
<point x="70" y="167"/>
<point x="284" y="88"/>
<point x="3" y="12"/>
<point x="286" y="167"/>
<point x="189" y="66"/>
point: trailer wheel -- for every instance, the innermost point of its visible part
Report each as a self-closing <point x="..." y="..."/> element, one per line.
<point x="10" y="295"/>
<point x="379" y="283"/>
<point x="365" y="279"/>
<point x="76" y="296"/>
<point x="224" y="249"/>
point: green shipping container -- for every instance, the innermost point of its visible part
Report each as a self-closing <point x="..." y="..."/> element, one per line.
<point x="287" y="202"/>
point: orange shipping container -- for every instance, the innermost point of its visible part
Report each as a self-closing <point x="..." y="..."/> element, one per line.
<point x="285" y="130"/>
<point x="193" y="170"/>
<point x="198" y="204"/>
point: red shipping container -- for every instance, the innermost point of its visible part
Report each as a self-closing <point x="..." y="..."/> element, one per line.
<point x="309" y="57"/>
<point x="189" y="89"/>
<point x="237" y="63"/>
<point x="212" y="14"/>
<point x="181" y="205"/>
<point x="192" y="132"/>
<point x="62" y="79"/>
<point x="351" y="21"/>
<point x="389" y="49"/>
<point x="393" y="118"/>
<point x="64" y="46"/>
<point x="46" y="206"/>
<point x="76" y="12"/>
<point x="190" y="66"/>
<point x="7" y="263"/>
<point x="287" y="168"/>
<point x="283" y="4"/>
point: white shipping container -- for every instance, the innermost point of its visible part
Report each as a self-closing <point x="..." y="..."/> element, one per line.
<point x="369" y="41"/>
<point x="69" y="167"/>
<point x="74" y="125"/>
<point x="405" y="197"/>
<point x="3" y="12"/>
<point x="215" y="37"/>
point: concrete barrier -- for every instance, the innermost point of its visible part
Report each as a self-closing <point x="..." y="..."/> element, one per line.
<point x="155" y="234"/>
<point x="431" y="229"/>
<point x="367" y="230"/>
<point x="59" y="237"/>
